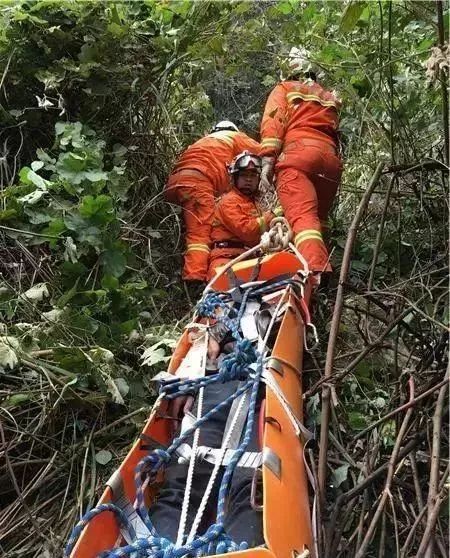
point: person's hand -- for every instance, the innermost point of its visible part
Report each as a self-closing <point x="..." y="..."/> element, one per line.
<point x="265" y="181"/>
<point x="179" y="406"/>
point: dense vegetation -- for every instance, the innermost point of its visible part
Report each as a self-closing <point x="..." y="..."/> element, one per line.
<point x="96" y="100"/>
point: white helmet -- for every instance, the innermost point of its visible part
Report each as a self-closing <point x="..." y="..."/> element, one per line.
<point x="225" y="125"/>
<point x="245" y="160"/>
<point x="299" y="62"/>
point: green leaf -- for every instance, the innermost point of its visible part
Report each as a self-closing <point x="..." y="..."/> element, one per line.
<point x="32" y="198"/>
<point x="357" y="420"/>
<point x="340" y="475"/>
<point x="8" y="347"/>
<point x="55" y="228"/>
<point x="43" y="156"/>
<point x="96" y="176"/>
<point x="37" y="180"/>
<point x="36" y="165"/>
<point x="16" y="400"/>
<point x="7" y="215"/>
<point x="23" y="175"/>
<point x="110" y="283"/>
<point x="98" y="209"/>
<point x="103" y="457"/>
<point x="37" y="293"/>
<point x="351" y="15"/>
<point x="113" y="262"/>
<point x="284" y="8"/>
<point x="128" y="326"/>
<point x="152" y="356"/>
<point x="64" y="299"/>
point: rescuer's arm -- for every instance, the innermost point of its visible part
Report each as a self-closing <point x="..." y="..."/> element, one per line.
<point x="273" y="123"/>
<point x="242" y="142"/>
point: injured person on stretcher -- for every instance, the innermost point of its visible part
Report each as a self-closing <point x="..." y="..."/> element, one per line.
<point x="218" y="437"/>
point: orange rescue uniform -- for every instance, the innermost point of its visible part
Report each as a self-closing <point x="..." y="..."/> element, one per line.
<point x="299" y="126"/>
<point x="199" y="175"/>
<point x="238" y="223"/>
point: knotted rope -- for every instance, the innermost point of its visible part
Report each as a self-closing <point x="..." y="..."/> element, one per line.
<point x="278" y="237"/>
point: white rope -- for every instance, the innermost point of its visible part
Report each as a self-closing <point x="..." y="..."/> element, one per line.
<point x="215" y="472"/>
<point x="300" y="257"/>
<point x="190" y="475"/>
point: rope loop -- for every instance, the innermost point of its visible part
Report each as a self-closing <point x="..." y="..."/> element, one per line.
<point x="278" y="237"/>
<point x="206" y="308"/>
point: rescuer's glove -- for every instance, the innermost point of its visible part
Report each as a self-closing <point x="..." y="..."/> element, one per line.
<point x="265" y="183"/>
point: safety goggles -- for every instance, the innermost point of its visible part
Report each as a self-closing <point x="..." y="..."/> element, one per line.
<point x="247" y="161"/>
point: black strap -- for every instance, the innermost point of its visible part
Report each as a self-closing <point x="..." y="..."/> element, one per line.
<point x="229" y="244"/>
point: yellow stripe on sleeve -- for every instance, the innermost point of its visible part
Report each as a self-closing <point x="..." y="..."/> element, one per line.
<point x="308" y="234"/>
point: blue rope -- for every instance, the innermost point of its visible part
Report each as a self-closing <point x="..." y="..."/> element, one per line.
<point x="76" y="531"/>
<point x="235" y="366"/>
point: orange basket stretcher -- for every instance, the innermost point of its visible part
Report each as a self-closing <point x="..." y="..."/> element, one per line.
<point x="286" y="510"/>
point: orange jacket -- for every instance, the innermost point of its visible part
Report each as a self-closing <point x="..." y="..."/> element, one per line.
<point x="211" y="155"/>
<point x="296" y="110"/>
<point x="238" y="218"/>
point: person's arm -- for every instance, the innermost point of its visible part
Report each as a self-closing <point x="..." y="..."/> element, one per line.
<point x="273" y="123"/>
<point x="242" y="142"/>
<point x="239" y="221"/>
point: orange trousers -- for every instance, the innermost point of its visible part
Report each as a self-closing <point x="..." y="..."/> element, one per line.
<point x="195" y="193"/>
<point x="308" y="176"/>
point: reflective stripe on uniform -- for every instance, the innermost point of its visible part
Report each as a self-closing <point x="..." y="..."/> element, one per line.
<point x="271" y="142"/>
<point x="198" y="248"/>
<point x="305" y="97"/>
<point x="261" y="223"/>
<point x="224" y="135"/>
<point x="308" y="234"/>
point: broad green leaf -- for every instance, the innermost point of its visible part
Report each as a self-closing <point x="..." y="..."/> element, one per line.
<point x="98" y="209"/>
<point x="8" y="347"/>
<point x="37" y="180"/>
<point x="37" y="217"/>
<point x="340" y="475"/>
<point x="103" y="457"/>
<point x="152" y="356"/>
<point x="109" y="282"/>
<point x="114" y="262"/>
<point x="96" y="176"/>
<point x="33" y="197"/>
<point x="53" y="315"/>
<point x="284" y="7"/>
<point x="54" y="229"/>
<point x="23" y="175"/>
<point x="122" y="386"/>
<point x="352" y="13"/>
<point x="43" y="156"/>
<point x="37" y="293"/>
<point x="357" y="420"/>
<point x="36" y="165"/>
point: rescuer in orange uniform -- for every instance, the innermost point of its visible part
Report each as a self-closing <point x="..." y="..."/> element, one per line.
<point x="200" y="175"/>
<point x="300" y="128"/>
<point x="238" y="222"/>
